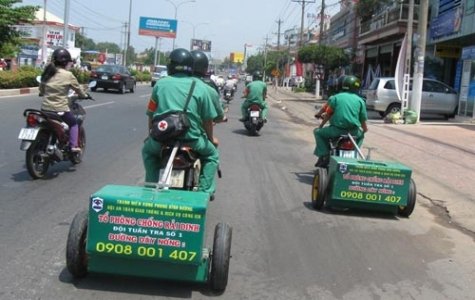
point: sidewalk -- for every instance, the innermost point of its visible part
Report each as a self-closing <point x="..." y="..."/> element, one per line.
<point x="441" y="154"/>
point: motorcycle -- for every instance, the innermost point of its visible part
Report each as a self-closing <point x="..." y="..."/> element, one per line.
<point x="254" y="120"/>
<point x="45" y="138"/>
<point x="228" y="94"/>
<point x="346" y="146"/>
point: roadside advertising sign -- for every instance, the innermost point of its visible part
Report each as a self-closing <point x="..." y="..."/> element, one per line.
<point x="157" y="27"/>
<point x="201" y="45"/>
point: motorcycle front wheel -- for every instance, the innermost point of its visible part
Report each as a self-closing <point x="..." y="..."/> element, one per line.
<point x="76" y="158"/>
<point x="37" y="161"/>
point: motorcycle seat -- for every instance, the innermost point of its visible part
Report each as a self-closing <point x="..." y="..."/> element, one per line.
<point x="52" y="115"/>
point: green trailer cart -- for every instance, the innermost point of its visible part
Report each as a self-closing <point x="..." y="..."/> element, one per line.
<point x="149" y="232"/>
<point x="365" y="184"/>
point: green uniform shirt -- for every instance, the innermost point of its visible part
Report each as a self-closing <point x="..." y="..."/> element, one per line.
<point x="56" y="91"/>
<point x="349" y="110"/>
<point x="256" y="91"/>
<point x="215" y="98"/>
<point x="170" y="93"/>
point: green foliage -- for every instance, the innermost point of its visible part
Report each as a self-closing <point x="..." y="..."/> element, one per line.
<point x="84" y="43"/>
<point x="82" y="76"/>
<point x="10" y="15"/>
<point x="366" y="8"/>
<point x="300" y="90"/>
<point x="24" y="77"/>
<point x="143" y="77"/>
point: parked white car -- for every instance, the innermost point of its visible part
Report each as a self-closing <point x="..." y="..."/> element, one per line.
<point x="436" y="98"/>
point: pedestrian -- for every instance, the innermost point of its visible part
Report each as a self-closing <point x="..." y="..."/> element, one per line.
<point x="170" y="94"/>
<point x="346" y="112"/>
<point x="3" y="65"/>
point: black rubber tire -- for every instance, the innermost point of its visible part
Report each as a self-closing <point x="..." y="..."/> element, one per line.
<point x="94" y="89"/>
<point x="76" y="158"/>
<point x="76" y="257"/>
<point x="319" y="188"/>
<point x="393" y="108"/>
<point x="122" y="88"/>
<point x="253" y="129"/>
<point x="220" y="256"/>
<point x="132" y="89"/>
<point x="37" y="163"/>
<point x="382" y="114"/>
<point x="406" y="211"/>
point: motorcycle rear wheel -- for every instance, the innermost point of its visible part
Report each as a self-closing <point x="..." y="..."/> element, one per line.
<point x="37" y="161"/>
<point x="76" y="158"/>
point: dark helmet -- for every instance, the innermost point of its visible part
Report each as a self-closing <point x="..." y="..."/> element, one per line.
<point x="180" y="61"/>
<point x="200" y="63"/>
<point x="339" y="83"/>
<point x="351" y="84"/>
<point x="257" y="75"/>
<point x="61" y="56"/>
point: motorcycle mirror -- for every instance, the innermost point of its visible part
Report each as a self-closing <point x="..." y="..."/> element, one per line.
<point x="92" y="84"/>
<point x="38" y="79"/>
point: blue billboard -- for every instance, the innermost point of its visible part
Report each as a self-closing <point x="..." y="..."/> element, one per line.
<point x="157" y="27"/>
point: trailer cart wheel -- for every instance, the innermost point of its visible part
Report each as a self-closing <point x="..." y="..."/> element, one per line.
<point x="76" y="257"/>
<point x="406" y="211"/>
<point x="319" y="187"/>
<point x="220" y="256"/>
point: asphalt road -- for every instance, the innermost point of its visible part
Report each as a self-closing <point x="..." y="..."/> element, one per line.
<point x="281" y="248"/>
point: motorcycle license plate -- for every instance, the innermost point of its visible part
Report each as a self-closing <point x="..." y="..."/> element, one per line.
<point x="347" y="154"/>
<point x="228" y="94"/>
<point x="28" y="134"/>
<point x="255" y="113"/>
<point x="177" y="179"/>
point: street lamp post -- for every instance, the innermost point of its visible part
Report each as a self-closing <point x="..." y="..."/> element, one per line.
<point x="195" y="25"/>
<point x="176" y="12"/>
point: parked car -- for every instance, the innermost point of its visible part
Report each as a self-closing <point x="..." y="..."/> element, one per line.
<point x="158" y="72"/>
<point x="113" y="77"/>
<point x="436" y="98"/>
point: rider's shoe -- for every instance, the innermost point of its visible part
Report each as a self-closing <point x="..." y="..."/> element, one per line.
<point x="242" y="120"/>
<point x="211" y="198"/>
<point x="76" y="149"/>
<point x="323" y="161"/>
<point x="265" y="120"/>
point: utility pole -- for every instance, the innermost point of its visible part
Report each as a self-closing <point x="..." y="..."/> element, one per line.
<point x="419" y="64"/>
<point x="126" y="26"/>
<point x="44" y="48"/>
<point x="279" y="22"/>
<point x="265" y="58"/>
<point x="322" y="22"/>
<point x="66" y="23"/>
<point x="407" y="64"/>
<point x="302" y="2"/>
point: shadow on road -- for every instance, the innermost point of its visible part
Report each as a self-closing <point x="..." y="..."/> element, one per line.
<point x="354" y="212"/>
<point x="135" y="285"/>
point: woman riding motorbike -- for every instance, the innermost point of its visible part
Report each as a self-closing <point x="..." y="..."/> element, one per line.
<point x="56" y="81"/>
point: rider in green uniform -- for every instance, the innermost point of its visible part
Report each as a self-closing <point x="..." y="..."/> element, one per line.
<point x="200" y="69"/>
<point x="346" y="112"/>
<point x="255" y="93"/>
<point x="169" y="94"/>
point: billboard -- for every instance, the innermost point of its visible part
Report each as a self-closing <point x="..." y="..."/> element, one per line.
<point x="236" y="57"/>
<point x="202" y="45"/>
<point x="157" y="27"/>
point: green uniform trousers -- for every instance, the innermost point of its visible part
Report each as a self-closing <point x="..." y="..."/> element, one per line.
<point x="247" y="103"/>
<point x="209" y="157"/>
<point x="323" y="136"/>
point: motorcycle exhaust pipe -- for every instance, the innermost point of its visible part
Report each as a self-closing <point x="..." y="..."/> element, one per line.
<point x="52" y="150"/>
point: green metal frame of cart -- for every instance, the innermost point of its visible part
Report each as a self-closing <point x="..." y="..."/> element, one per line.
<point x="365" y="184"/>
<point x="144" y="232"/>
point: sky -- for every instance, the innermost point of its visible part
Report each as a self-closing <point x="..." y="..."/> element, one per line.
<point x="229" y="25"/>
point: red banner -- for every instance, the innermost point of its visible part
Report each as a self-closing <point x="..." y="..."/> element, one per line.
<point x="299" y="69"/>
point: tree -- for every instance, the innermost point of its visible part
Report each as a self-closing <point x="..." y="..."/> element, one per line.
<point x="148" y="57"/>
<point x="84" y="43"/>
<point x="365" y="9"/>
<point x="108" y="47"/>
<point x="10" y="39"/>
<point x="255" y="63"/>
<point x="328" y="56"/>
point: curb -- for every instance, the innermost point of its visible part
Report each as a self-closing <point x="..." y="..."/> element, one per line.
<point x="17" y="92"/>
<point x="25" y="91"/>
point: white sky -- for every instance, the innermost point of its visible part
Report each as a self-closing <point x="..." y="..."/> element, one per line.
<point x="231" y="23"/>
